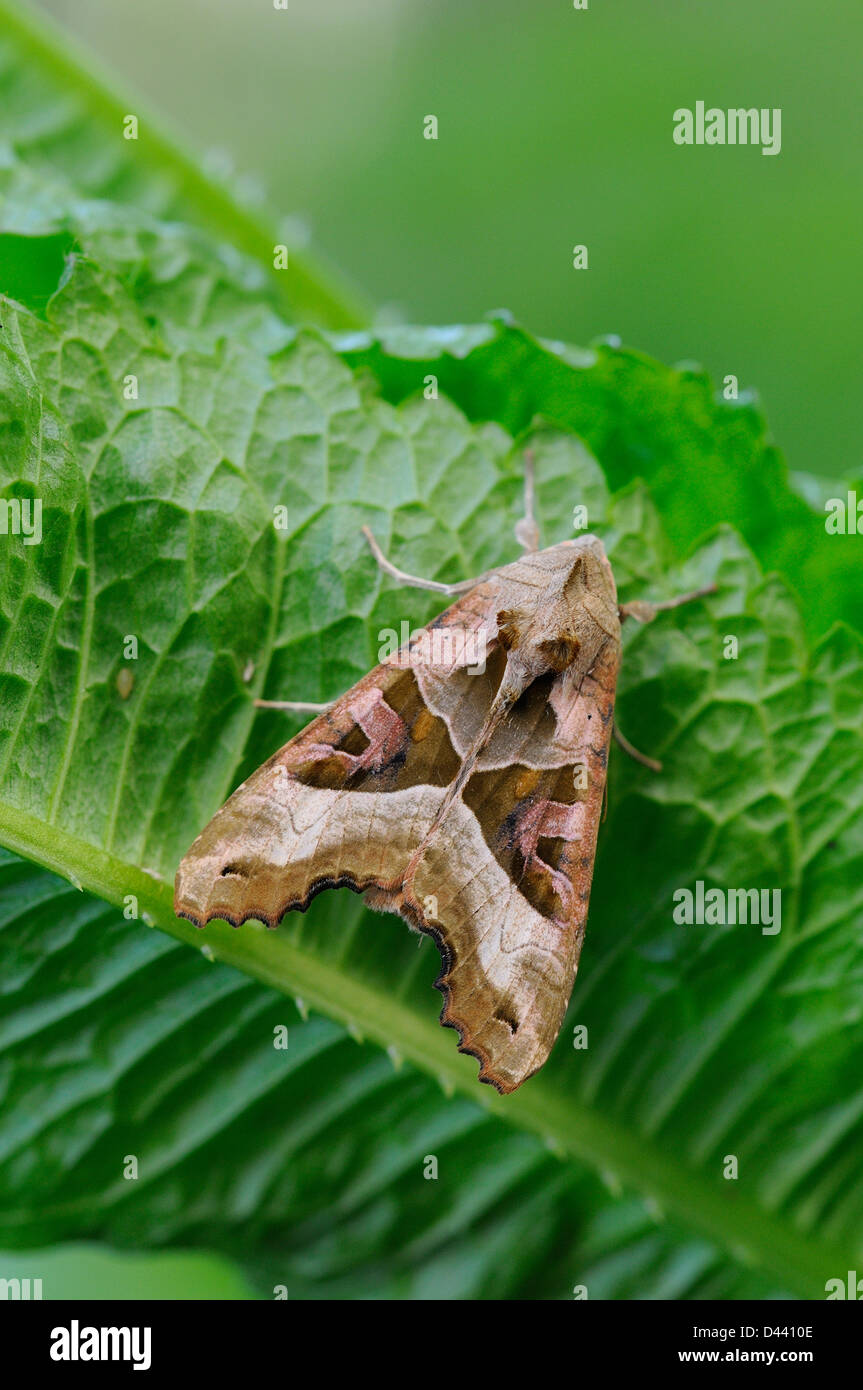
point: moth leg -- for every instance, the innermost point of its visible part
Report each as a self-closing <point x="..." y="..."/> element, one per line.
<point x="627" y="747"/>
<point x="295" y="706"/>
<point x="389" y="568"/>
<point x="644" y="612"/>
<point x="526" y="529"/>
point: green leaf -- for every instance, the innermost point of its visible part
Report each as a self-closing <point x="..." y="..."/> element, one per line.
<point x="307" y="1162"/>
<point x="707" y="460"/>
<point x="86" y="1271"/>
<point x="158" y="525"/>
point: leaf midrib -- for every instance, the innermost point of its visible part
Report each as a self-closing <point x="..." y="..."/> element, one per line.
<point x="741" y="1227"/>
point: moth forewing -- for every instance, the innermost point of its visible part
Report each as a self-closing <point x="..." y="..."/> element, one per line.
<point x="466" y="797"/>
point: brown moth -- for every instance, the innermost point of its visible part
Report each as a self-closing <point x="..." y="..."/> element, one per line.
<point x="459" y="784"/>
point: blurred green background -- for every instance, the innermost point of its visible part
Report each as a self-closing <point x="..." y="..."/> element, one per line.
<point x="555" y="128"/>
<point x="89" y="1271"/>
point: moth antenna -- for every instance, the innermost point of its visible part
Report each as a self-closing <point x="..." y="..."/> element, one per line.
<point x="644" y="612"/>
<point x="411" y="579"/>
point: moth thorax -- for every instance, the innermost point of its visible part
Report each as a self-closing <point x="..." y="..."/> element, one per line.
<point x="542" y="650"/>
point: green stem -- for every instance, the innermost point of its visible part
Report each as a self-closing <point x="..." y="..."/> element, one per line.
<point x="307" y="290"/>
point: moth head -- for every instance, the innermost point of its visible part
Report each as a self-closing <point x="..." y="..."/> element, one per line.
<point x="533" y="648"/>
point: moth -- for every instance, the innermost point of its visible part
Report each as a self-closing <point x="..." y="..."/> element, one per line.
<point x="460" y="784"/>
